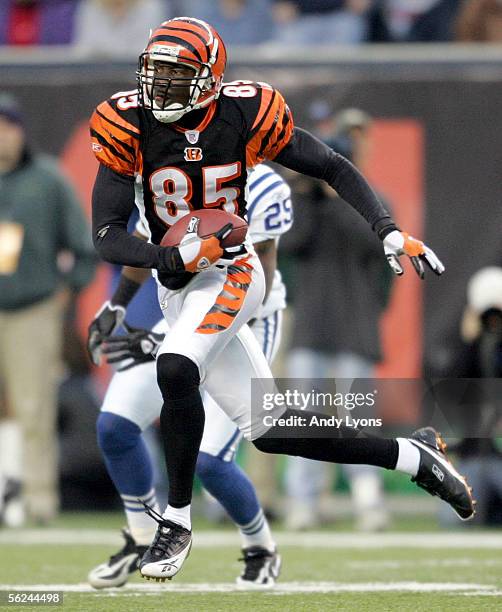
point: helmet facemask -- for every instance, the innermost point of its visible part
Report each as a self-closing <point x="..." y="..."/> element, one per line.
<point x="170" y="97"/>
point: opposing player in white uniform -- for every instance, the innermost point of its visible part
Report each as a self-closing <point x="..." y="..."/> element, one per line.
<point x="133" y="402"/>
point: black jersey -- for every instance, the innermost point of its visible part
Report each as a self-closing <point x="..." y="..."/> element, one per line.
<point x="182" y="169"/>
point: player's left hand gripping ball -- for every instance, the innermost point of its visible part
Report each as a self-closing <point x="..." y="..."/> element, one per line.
<point x="400" y="243"/>
<point x="197" y="253"/>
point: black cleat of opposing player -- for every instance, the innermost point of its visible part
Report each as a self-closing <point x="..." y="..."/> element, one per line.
<point x="166" y="554"/>
<point x="437" y="475"/>
<point x="261" y="568"/>
<point x="12" y="512"/>
<point x="116" y="571"/>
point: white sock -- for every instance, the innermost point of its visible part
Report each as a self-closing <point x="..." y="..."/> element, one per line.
<point x="257" y="533"/>
<point x="11" y="446"/>
<point x="141" y="526"/>
<point x="179" y="515"/>
<point x="408" y="459"/>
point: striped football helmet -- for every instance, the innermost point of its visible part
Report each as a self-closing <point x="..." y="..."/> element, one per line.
<point x="199" y="53"/>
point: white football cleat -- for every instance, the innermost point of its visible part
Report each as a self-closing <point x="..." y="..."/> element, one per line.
<point x="166" y="554"/>
<point x="261" y="568"/>
<point x="116" y="571"/>
<point x="12" y="509"/>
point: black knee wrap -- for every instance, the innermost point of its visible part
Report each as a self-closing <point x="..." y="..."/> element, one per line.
<point x="177" y="376"/>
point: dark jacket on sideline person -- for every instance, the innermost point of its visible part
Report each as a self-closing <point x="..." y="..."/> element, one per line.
<point x="342" y="280"/>
<point x="38" y="198"/>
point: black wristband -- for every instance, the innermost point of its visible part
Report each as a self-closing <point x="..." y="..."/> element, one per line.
<point x="170" y="261"/>
<point x="383" y="227"/>
<point x="177" y="260"/>
<point x="125" y="291"/>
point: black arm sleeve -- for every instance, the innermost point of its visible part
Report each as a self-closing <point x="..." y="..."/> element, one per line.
<point x="112" y="204"/>
<point x="306" y="154"/>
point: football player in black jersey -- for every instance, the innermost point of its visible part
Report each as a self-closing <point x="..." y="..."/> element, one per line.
<point x="183" y="141"/>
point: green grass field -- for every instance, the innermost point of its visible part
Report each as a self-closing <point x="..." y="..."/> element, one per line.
<point x="414" y="568"/>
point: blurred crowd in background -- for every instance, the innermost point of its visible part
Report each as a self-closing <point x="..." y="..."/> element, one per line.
<point x="53" y="413"/>
<point x="116" y="27"/>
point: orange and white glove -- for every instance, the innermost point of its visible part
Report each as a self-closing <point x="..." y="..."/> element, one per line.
<point x="399" y="243"/>
<point x="199" y="254"/>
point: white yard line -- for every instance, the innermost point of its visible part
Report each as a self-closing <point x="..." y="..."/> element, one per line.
<point x="283" y="588"/>
<point x="458" y="562"/>
<point x="314" y="539"/>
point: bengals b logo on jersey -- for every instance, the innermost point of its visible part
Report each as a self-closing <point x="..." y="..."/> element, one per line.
<point x="193" y="153"/>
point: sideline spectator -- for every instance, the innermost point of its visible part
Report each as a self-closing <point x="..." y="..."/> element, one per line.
<point x="408" y="21"/>
<point x="323" y="345"/>
<point x="117" y="28"/>
<point x="324" y="22"/>
<point x="479" y="21"/>
<point x="41" y="225"/>
<point x="239" y="22"/>
<point x="478" y="450"/>
<point x="36" y="22"/>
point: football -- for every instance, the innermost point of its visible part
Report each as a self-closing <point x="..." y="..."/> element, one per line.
<point x="208" y="221"/>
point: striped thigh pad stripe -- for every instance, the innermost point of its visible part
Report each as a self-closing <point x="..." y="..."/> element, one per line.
<point x="229" y="301"/>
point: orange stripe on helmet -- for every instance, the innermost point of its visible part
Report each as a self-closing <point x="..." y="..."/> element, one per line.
<point x="197" y="33"/>
<point x="181" y="26"/>
<point x="192" y="42"/>
<point x="205" y="32"/>
<point x="186" y="56"/>
<point x="196" y="25"/>
<point x="185" y="36"/>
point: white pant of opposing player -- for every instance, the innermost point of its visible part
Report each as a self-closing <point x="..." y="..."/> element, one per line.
<point x="135" y="395"/>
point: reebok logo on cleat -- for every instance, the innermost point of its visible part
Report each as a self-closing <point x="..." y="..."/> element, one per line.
<point x="437" y="472"/>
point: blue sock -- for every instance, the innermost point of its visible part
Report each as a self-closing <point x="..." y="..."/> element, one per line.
<point x="232" y="488"/>
<point x="130" y="467"/>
